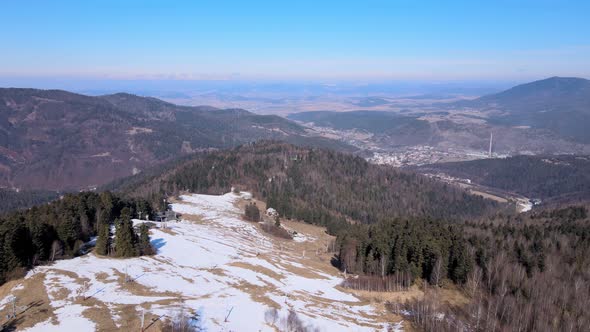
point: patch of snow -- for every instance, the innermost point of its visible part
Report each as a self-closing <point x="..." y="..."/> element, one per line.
<point x="104" y="154"/>
<point x="525" y="205"/>
<point x="8" y="298"/>
<point x="271" y="212"/>
<point x="69" y="319"/>
<point x="398" y="327"/>
<point x="299" y="237"/>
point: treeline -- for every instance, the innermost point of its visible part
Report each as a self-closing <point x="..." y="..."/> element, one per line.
<point x="14" y="200"/>
<point x="401" y="251"/>
<point x="318" y="186"/>
<point x="59" y="229"/>
<point x="545" y="177"/>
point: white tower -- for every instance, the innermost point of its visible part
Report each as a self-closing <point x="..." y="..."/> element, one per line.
<point x="491" y="142"/>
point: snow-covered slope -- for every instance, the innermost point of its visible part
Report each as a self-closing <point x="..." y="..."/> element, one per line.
<point x="213" y="265"/>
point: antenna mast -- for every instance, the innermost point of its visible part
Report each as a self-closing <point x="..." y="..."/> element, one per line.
<point x="491" y="142"/>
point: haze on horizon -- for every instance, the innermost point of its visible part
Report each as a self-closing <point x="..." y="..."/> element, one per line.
<point x="233" y="40"/>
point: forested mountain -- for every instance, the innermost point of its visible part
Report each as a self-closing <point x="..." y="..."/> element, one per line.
<point x="318" y="186"/>
<point x="412" y="215"/>
<point x="52" y="139"/>
<point x="552" y="178"/>
<point x="554" y="93"/>
<point x="559" y="104"/>
<point x="14" y="200"/>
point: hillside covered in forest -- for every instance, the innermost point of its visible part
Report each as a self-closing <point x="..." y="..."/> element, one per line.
<point x="315" y="185"/>
<point x="13" y="200"/>
<point x="58" y="140"/>
<point x="551" y="178"/>
<point x="520" y="273"/>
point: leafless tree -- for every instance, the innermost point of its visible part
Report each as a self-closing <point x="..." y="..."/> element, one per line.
<point x="56" y="249"/>
<point x="437" y="272"/>
<point x="181" y="322"/>
<point x="271" y="316"/>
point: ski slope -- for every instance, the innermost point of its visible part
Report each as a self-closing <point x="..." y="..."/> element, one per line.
<point x="222" y="270"/>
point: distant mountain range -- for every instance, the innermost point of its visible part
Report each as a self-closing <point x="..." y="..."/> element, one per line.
<point x="550" y="116"/>
<point x="57" y="140"/>
<point x="548" y="94"/>
<point x="559" y="104"/>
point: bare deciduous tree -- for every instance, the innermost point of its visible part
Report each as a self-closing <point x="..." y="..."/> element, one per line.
<point x="56" y="249"/>
<point x="271" y="316"/>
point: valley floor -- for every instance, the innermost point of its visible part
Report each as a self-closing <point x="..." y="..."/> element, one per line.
<point x="214" y="266"/>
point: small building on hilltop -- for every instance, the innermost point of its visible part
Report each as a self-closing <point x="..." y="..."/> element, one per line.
<point x="166" y="216"/>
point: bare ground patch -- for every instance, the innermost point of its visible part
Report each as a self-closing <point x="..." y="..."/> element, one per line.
<point x="258" y="269"/>
<point x="33" y="305"/>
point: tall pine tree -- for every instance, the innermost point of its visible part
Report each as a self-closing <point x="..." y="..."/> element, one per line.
<point x="103" y="242"/>
<point x="144" y="240"/>
<point x="125" y="237"/>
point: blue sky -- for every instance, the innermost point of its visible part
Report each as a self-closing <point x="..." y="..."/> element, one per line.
<point x="381" y="40"/>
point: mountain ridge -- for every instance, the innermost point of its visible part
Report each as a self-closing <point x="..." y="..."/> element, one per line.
<point x="544" y="92"/>
<point x="558" y="104"/>
<point x="58" y="140"/>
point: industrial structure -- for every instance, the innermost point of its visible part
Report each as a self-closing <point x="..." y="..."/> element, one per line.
<point x="491" y="142"/>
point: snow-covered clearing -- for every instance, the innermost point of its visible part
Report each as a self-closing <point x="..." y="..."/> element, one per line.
<point x="213" y="264"/>
<point x="524" y="205"/>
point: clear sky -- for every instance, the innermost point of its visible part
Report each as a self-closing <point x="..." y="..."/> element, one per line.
<point x="431" y="40"/>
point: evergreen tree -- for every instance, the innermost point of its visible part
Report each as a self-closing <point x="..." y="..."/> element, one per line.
<point x="41" y="235"/>
<point x="460" y="264"/>
<point x="144" y="240"/>
<point x="125" y="237"/>
<point x="103" y="242"/>
<point x="252" y="212"/>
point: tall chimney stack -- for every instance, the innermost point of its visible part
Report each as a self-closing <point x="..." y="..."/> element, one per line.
<point x="491" y="142"/>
